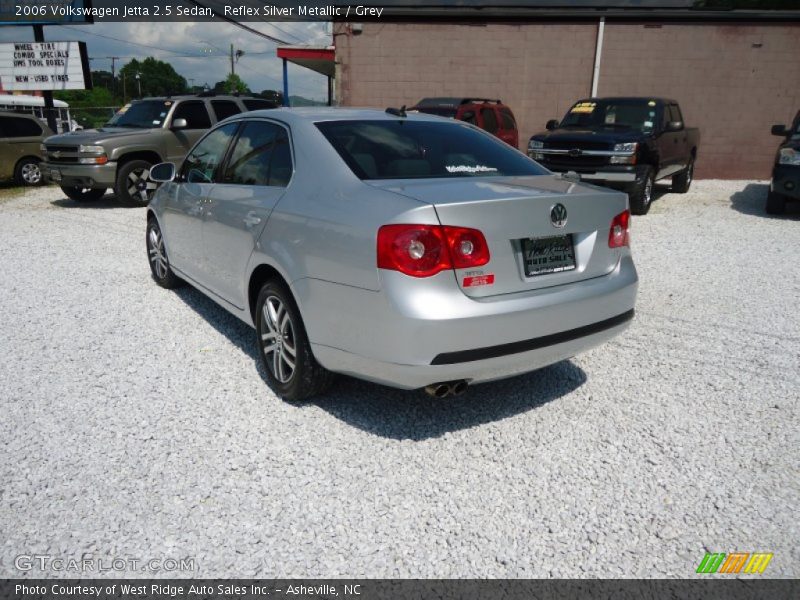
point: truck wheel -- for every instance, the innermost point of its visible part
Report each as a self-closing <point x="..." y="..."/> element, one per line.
<point x="134" y="185"/>
<point x="27" y="172"/>
<point x="681" y="181"/>
<point x="642" y="193"/>
<point x="776" y="203"/>
<point x="82" y="194"/>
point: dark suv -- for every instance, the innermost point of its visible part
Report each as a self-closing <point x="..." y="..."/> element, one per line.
<point x="785" y="183"/>
<point x="490" y="115"/>
<point x="143" y="133"/>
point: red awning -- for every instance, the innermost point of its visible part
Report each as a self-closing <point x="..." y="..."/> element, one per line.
<point x="317" y="58"/>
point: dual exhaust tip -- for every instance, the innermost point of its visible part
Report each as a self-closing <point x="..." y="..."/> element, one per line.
<point x="446" y="389"/>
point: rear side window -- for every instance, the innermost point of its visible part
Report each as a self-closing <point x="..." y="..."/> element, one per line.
<point x="261" y="156"/>
<point x="224" y="109"/>
<point x="256" y="104"/>
<point x="195" y="113"/>
<point x="405" y="149"/>
<point x="489" y="119"/>
<point x="15" y="127"/>
<point x="675" y="113"/>
<point x="468" y="116"/>
<point x="508" y="119"/>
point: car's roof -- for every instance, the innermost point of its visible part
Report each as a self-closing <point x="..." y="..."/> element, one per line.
<point x="629" y="99"/>
<point x="316" y="114"/>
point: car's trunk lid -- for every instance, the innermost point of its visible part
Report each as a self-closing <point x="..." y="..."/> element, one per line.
<point x="511" y="210"/>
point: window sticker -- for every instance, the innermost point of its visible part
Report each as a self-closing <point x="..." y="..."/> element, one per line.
<point x="470" y="169"/>
<point x="583" y="107"/>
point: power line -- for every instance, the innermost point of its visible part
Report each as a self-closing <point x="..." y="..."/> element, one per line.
<point x="108" y="37"/>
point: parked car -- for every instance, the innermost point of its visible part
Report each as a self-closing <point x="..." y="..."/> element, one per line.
<point x="622" y="143"/>
<point x="406" y="250"/>
<point x="21" y="136"/>
<point x="490" y="115"/>
<point x="145" y="132"/>
<point x="785" y="184"/>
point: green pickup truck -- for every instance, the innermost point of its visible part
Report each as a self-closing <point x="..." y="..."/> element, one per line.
<point x="143" y="133"/>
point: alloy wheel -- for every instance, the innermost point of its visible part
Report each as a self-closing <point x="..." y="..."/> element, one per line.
<point x="278" y="341"/>
<point x="158" y="258"/>
<point x="140" y="185"/>
<point x="31" y="173"/>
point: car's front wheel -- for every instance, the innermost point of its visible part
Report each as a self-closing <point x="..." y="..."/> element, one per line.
<point x="134" y="185"/>
<point x="641" y="196"/>
<point x="27" y="172"/>
<point x="776" y="203"/>
<point x="82" y="194"/>
<point x="292" y="370"/>
<point x="160" y="268"/>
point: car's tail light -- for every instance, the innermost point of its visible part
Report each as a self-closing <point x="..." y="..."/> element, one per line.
<point x="619" y="234"/>
<point x="425" y="250"/>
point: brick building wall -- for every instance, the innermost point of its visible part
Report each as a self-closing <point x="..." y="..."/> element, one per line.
<point x="733" y="81"/>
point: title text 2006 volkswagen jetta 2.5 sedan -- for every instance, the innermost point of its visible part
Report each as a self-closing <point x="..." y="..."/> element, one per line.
<point x="407" y="250"/>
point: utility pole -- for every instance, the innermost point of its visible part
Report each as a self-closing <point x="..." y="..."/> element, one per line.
<point x="114" y="60"/>
<point x="233" y="71"/>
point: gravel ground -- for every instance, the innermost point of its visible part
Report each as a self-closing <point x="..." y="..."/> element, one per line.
<point x="136" y="423"/>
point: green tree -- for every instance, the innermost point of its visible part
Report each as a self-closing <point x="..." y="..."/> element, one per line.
<point x="157" y="78"/>
<point x="232" y="84"/>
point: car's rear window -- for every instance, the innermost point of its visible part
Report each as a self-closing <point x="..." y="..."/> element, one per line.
<point x="405" y="149"/>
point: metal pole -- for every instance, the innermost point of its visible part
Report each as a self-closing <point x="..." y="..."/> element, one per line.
<point x="330" y="91"/>
<point x="285" y="83"/>
<point x="598" y="53"/>
<point x="49" y="112"/>
<point x="233" y="72"/>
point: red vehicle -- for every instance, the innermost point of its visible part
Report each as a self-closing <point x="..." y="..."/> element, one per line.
<point x="490" y="115"/>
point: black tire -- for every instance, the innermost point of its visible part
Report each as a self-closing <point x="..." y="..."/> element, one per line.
<point x="683" y="180"/>
<point x="776" y="203"/>
<point x="28" y="173"/>
<point x="275" y="340"/>
<point x="641" y="196"/>
<point x="80" y="194"/>
<point x="160" y="268"/>
<point x="134" y="186"/>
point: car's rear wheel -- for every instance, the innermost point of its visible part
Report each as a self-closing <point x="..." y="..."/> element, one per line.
<point x="776" y="203"/>
<point x="160" y="268"/>
<point x="27" y="172"/>
<point x="681" y="182"/>
<point x="292" y="370"/>
<point x="641" y="196"/>
<point x="134" y="185"/>
<point x="82" y="194"/>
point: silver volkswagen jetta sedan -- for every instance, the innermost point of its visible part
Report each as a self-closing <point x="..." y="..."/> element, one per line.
<point x="408" y="250"/>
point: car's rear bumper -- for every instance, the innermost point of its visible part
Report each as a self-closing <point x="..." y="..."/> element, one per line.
<point x="89" y="176"/>
<point x="786" y="181"/>
<point x="432" y="332"/>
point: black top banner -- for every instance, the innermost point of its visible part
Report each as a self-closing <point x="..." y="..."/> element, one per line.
<point x="27" y="12"/>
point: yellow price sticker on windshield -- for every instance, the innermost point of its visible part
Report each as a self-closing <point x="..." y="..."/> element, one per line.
<point x="583" y="107"/>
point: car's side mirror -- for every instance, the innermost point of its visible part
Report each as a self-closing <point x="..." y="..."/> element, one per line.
<point x="674" y="125"/>
<point x="179" y="124"/>
<point x="779" y="130"/>
<point x="551" y="125"/>
<point x="162" y="172"/>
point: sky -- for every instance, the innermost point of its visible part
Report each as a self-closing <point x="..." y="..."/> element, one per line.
<point x="198" y="51"/>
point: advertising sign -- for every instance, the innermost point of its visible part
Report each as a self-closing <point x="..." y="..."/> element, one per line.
<point x="29" y="66"/>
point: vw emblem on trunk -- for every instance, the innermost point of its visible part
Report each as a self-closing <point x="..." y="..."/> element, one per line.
<point x="558" y="215"/>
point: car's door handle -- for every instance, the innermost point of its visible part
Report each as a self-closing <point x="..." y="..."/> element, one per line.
<point x="251" y="220"/>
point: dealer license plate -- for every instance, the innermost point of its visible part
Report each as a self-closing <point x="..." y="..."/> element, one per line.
<point x="548" y="255"/>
